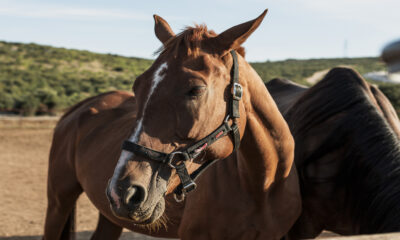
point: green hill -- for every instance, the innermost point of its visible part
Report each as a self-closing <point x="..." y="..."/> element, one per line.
<point x="37" y="79"/>
<point x="299" y="70"/>
<point x="41" y="79"/>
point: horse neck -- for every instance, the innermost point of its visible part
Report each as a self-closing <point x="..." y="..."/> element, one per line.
<point x="377" y="210"/>
<point x="376" y="199"/>
<point x="267" y="148"/>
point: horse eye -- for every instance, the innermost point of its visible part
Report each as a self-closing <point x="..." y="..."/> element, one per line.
<point x="196" y="91"/>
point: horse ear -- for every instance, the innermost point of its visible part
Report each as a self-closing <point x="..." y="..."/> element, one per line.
<point x="235" y="36"/>
<point x="162" y="29"/>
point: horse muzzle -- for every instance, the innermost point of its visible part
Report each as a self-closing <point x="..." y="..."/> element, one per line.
<point x="132" y="203"/>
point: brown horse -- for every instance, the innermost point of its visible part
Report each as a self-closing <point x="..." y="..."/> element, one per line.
<point x="347" y="154"/>
<point x="196" y="85"/>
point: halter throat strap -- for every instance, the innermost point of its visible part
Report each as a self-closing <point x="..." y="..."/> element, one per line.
<point x="177" y="159"/>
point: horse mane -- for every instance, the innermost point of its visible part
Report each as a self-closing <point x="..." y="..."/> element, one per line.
<point x="368" y="172"/>
<point x="192" y="39"/>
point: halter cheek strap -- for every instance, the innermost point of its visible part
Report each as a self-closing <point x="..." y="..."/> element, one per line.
<point x="177" y="159"/>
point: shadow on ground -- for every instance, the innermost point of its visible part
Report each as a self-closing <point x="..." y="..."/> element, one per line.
<point x="86" y="235"/>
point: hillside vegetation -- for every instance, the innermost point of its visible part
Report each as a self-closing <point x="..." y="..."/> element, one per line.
<point x="37" y="79"/>
<point x="42" y="79"/>
<point x="299" y="70"/>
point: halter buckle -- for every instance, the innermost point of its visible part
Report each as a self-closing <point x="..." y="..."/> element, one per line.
<point x="171" y="158"/>
<point x="189" y="187"/>
<point x="185" y="189"/>
<point x="237" y="91"/>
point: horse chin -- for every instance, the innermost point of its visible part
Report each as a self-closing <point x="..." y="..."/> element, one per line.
<point x="155" y="215"/>
<point x="146" y="217"/>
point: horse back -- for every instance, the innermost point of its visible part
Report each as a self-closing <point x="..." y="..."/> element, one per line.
<point x="86" y="118"/>
<point x="284" y="92"/>
<point x="386" y="108"/>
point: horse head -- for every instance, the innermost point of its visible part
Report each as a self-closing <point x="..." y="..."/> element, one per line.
<point x="190" y="112"/>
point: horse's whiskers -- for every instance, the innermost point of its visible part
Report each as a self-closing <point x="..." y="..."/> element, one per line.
<point x="155" y="226"/>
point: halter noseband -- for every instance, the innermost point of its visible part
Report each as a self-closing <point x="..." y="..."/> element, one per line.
<point x="178" y="163"/>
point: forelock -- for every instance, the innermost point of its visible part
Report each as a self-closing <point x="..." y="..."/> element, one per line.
<point x="191" y="39"/>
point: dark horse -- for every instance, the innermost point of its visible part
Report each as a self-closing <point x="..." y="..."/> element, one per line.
<point x="347" y="154"/>
<point x="198" y="92"/>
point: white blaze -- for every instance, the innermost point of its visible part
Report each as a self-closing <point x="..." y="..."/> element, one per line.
<point x="158" y="76"/>
<point x="125" y="155"/>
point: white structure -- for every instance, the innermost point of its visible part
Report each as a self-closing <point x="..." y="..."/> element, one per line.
<point x="383" y="76"/>
<point x="391" y="56"/>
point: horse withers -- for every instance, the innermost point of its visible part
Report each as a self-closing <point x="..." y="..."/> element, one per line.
<point x="198" y="102"/>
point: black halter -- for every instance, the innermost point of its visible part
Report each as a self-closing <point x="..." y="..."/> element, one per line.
<point x="190" y="153"/>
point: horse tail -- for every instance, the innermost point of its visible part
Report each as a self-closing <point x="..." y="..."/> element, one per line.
<point x="69" y="228"/>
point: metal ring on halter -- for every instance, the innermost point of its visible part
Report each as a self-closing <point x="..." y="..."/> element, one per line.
<point x="227" y="118"/>
<point x="180" y="199"/>
<point x="171" y="158"/>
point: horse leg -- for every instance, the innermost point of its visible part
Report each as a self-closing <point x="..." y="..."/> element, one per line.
<point x="62" y="193"/>
<point x="106" y="230"/>
<point x="69" y="227"/>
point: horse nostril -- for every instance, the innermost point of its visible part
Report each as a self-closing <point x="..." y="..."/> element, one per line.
<point x="134" y="195"/>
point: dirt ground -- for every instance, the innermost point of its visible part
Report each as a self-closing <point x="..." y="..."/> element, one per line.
<point x="24" y="148"/>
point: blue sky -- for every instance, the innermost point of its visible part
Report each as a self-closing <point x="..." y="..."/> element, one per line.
<point x="291" y="29"/>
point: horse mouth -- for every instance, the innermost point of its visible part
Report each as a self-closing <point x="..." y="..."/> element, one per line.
<point x="156" y="214"/>
<point x="139" y="216"/>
